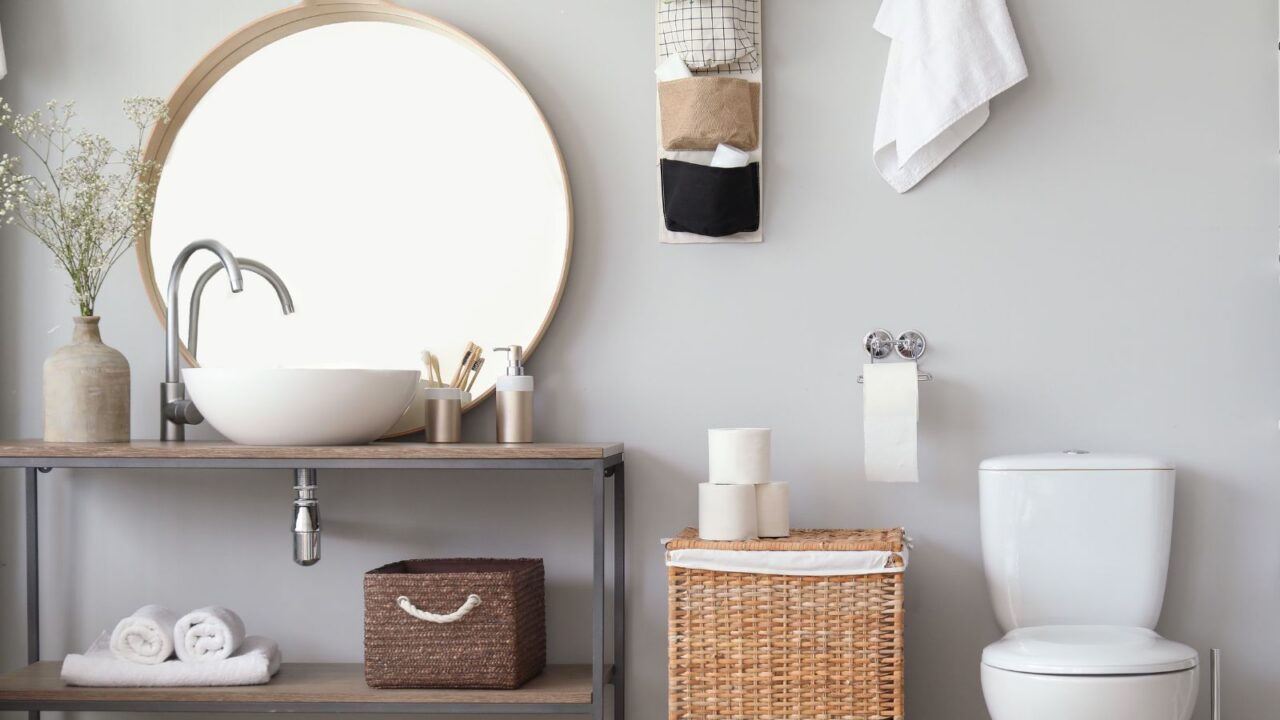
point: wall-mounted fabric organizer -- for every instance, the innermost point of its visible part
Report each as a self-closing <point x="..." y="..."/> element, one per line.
<point x="712" y="96"/>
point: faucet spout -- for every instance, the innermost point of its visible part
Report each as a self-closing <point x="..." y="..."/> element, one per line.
<point x="176" y="411"/>
<point x="229" y="262"/>
<point x="197" y="292"/>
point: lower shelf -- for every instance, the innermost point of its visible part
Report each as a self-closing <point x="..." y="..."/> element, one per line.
<point x="302" y="687"/>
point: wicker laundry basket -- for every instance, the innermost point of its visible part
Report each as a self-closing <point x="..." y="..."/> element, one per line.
<point x="749" y="646"/>
<point x="457" y="623"/>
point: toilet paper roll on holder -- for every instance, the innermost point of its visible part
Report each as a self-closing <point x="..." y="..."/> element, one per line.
<point x="910" y="345"/>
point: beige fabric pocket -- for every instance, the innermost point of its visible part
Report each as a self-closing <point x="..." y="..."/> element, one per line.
<point x="699" y="113"/>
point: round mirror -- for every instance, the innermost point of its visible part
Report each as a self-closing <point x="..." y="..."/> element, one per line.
<point x="396" y="176"/>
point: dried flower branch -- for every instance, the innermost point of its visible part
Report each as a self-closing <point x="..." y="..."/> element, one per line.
<point x="90" y="199"/>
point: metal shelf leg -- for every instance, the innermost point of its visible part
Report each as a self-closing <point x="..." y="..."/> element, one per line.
<point x="33" y="574"/>
<point x="597" y="593"/>
<point x="619" y="594"/>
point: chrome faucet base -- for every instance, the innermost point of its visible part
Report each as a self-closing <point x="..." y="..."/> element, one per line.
<point x="176" y="411"/>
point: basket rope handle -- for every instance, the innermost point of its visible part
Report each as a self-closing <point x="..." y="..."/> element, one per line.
<point x="406" y="605"/>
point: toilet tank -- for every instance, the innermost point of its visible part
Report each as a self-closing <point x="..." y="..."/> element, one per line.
<point x="1076" y="538"/>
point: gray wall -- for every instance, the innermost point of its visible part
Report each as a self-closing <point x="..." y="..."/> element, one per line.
<point x="1096" y="268"/>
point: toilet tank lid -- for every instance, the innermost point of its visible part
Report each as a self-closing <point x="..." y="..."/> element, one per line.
<point x="1075" y="460"/>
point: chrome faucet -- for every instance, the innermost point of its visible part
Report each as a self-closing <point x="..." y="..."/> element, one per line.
<point x="253" y="266"/>
<point x="176" y="411"/>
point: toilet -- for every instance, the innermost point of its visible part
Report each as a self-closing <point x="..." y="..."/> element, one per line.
<point x="1076" y="551"/>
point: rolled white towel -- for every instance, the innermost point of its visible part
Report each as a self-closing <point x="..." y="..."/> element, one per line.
<point x="146" y="636"/>
<point x="210" y="633"/>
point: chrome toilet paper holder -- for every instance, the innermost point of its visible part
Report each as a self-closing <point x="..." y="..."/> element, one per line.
<point x="910" y="345"/>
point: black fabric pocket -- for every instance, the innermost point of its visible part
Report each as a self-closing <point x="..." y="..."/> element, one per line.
<point x="710" y="201"/>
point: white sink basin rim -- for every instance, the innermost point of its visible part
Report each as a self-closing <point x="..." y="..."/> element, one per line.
<point x="301" y="406"/>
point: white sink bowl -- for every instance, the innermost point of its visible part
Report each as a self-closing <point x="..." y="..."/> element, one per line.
<point x="301" y="406"/>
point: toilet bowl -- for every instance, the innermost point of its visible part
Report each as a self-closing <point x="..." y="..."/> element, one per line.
<point x="1068" y="672"/>
<point x="1075" y="549"/>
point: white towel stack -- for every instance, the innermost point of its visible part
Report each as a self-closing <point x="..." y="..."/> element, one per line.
<point x="212" y="650"/>
<point x="741" y="501"/>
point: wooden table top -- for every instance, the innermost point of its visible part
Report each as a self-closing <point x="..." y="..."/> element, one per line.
<point x="388" y="451"/>
<point x="296" y="683"/>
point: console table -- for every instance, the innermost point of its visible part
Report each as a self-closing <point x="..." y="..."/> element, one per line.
<point x="337" y="687"/>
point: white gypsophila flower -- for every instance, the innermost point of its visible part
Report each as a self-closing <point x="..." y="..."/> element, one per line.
<point x="90" y="199"/>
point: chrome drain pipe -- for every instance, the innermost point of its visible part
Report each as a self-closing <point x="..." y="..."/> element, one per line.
<point x="306" y="518"/>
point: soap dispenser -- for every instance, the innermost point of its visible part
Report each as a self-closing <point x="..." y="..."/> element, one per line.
<point x="515" y="399"/>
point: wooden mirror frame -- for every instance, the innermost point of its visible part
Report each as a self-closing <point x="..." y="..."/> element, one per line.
<point x="281" y="24"/>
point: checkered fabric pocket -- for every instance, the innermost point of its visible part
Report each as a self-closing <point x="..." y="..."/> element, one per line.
<point x="715" y="35"/>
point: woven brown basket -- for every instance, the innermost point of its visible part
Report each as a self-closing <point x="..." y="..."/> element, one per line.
<point x="744" y="646"/>
<point x="497" y="641"/>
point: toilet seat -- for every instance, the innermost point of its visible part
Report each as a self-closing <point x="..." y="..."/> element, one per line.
<point x="1088" y="650"/>
<point x="1012" y="695"/>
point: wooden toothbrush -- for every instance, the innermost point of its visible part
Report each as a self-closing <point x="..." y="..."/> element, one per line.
<point x="464" y="367"/>
<point x="475" y="374"/>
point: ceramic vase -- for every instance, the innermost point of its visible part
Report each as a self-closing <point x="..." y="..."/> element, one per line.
<point x="86" y="389"/>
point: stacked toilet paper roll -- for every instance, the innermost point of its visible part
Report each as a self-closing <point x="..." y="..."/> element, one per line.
<point x="726" y="512"/>
<point x="738" y="456"/>
<point x="741" y="501"/>
<point x="773" y="509"/>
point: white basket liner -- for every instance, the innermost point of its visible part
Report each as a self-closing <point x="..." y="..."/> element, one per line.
<point x="788" y="562"/>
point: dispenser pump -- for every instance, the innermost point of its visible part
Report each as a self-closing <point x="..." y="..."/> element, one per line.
<point x="515" y="399"/>
<point x="515" y="359"/>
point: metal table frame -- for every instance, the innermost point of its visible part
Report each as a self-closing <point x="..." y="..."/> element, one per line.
<point x="602" y="470"/>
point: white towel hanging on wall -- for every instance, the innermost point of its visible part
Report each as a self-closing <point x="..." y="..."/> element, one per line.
<point x="947" y="59"/>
